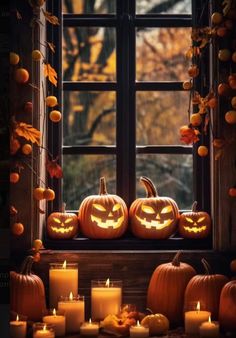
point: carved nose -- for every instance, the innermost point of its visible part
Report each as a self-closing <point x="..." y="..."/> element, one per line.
<point x="158" y="216"/>
<point x="110" y="214"/>
<point x="62" y="224"/>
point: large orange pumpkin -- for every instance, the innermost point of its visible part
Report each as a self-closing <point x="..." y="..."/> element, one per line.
<point x="227" y="311"/>
<point x="166" y="289"/>
<point x="103" y="216"/>
<point x="153" y="217"/>
<point x="206" y="289"/>
<point x="27" y="292"/>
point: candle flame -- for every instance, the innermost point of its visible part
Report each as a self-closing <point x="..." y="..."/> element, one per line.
<point x="71" y="296"/>
<point x="138" y="324"/>
<point x="108" y="282"/>
<point x="90" y="320"/>
<point x="198" y="306"/>
<point x="64" y="265"/>
<point x="17" y="318"/>
<point x="54" y="312"/>
<point x="209" y="319"/>
<point x="45" y="327"/>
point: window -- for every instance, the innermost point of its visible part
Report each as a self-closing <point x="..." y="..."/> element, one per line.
<point x="123" y="64"/>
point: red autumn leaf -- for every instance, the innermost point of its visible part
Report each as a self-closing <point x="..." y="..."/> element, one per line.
<point x="189" y="135"/>
<point x="54" y="169"/>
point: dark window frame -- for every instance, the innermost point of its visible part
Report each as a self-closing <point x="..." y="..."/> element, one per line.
<point x="126" y="87"/>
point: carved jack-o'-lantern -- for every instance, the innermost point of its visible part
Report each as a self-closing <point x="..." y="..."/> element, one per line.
<point x="194" y="224"/>
<point x="154" y="216"/>
<point x="103" y="216"/>
<point x="62" y="225"/>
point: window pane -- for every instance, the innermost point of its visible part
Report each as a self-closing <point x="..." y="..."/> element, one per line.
<point x="89" y="6"/>
<point x="89" y="54"/>
<point x="82" y="174"/>
<point x="171" y="174"/>
<point x="160" y="115"/>
<point x="163" y="6"/>
<point x="89" y="118"/>
<point x="160" y="54"/>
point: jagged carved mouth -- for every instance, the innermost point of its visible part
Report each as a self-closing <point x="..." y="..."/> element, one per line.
<point x="154" y="223"/>
<point x="195" y="229"/>
<point x="62" y="230"/>
<point x="109" y="223"/>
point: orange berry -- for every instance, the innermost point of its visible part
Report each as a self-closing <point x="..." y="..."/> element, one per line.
<point x="224" y="89"/>
<point x="216" y="18"/>
<point x="37" y="244"/>
<point x="230" y="117"/>
<point x="38" y="193"/>
<point x="36" y="55"/>
<point x="212" y="103"/>
<point x="196" y="119"/>
<point x="234" y="57"/>
<point x="36" y="257"/>
<point x="222" y="31"/>
<point x="17" y="229"/>
<point x="49" y="194"/>
<point x="55" y="116"/>
<point x="202" y="151"/>
<point x="233" y="102"/>
<point x="232" y="192"/>
<point x="26" y="149"/>
<point x="14" y="177"/>
<point x="14" y="146"/>
<point x="193" y="71"/>
<point x="224" y="55"/>
<point x="14" y="59"/>
<point x="187" y="85"/>
<point x="51" y="101"/>
<point x="21" y="75"/>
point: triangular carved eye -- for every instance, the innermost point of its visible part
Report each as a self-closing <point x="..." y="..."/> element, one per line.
<point x="148" y="210"/>
<point x="166" y="210"/>
<point x="57" y="220"/>
<point x="68" y="220"/>
<point x="116" y="207"/>
<point x="99" y="207"/>
<point x="201" y="219"/>
<point x="189" y="220"/>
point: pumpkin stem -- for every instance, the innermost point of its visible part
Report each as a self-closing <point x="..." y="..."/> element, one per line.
<point x="103" y="188"/>
<point x="149" y="186"/>
<point x="194" y="206"/>
<point x="63" y="207"/>
<point x="176" y="261"/>
<point x="207" y="267"/>
<point x="27" y="265"/>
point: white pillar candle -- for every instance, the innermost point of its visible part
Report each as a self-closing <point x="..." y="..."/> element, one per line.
<point x="74" y="312"/>
<point x="139" y="331"/>
<point x="58" y="320"/>
<point x="42" y="330"/>
<point x="106" y="298"/>
<point x="63" y="279"/>
<point x="17" y="328"/>
<point x="193" y="320"/>
<point x="89" y="328"/>
<point x="209" y="329"/>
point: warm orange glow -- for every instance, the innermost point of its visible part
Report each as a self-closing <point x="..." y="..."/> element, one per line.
<point x="90" y="320"/>
<point x="198" y="306"/>
<point x="45" y="328"/>
<point x="108" y="282"/>
<point x="54" y="312"/>
<point x="71" y="296"/>
<point x="209" y="319"/>
<point x="64" y="265"/>
<point x="17" y="318"/>
<point x="138" y="324"/>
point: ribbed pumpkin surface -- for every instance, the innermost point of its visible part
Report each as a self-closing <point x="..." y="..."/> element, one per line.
<point x="166" y="289"/>
<point x="227" y="311"/>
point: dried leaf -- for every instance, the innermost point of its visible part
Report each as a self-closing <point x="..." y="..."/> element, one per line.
<point x="51" y="18"/>
<point x="189" y="135"/>
<point x="189" y="53"/>
<point x="206" y="122"/>
<point x="50" y="72"/>
<point x="218" y="154"/>
<point x="28" y="132"/>
<point x="41" y="211"/>
<point x="226" y="4"/>
<point x="54" y="169"/>
<point x="13" y="211"/>
<point x="51" y="46"/>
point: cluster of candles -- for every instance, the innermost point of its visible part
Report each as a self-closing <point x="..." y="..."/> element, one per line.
<point x="106" y="298"/>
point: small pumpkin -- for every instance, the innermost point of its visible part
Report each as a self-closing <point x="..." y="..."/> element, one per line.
<point x="157" y="323"/>
<point x="27" y="292"/>
<point x="233" y="265"/>
<point x="166" y="289"/>
<point x="227" y="311"/>
<point x="62" y="225"/>
<point x="153" y="217"/>
<point x="103" y="216"/>
<point x="206" y="289"/>
<point x="194" y="224"/>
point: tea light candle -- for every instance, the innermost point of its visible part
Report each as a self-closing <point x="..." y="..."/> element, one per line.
<point x="209" y="329"/>
<point x="17" y="328"/>
<point x="63" y="278"/>
<point x="89" y="328"/>
<point x="74" y="311"/>
<point x="139" y="331"/>
<point x="105" y="298"/>
<point x="44" y="332"/>
<point x="58" y="321"/>
<point x="193" y="320"/>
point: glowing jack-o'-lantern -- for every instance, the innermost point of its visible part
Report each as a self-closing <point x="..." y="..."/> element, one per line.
<point x="103" y="216"/>
<point x="62" y="225"/>
<point x="153" y="217"/>
<point x="194" y="224"/>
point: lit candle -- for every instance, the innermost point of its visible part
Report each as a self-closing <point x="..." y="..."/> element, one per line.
<point x="139" y="331"/>
<point x="74" y="311"/>
<point x="193" y="320"/>
<point x="89" y="328"/>
<point x="63" y="278"/>
<point x="209" y="329"/>
<point x="17" y="328"/>
<point x="44" y="332"/>
<point x="105" y="298"/>
<point x="58" y="321"/>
